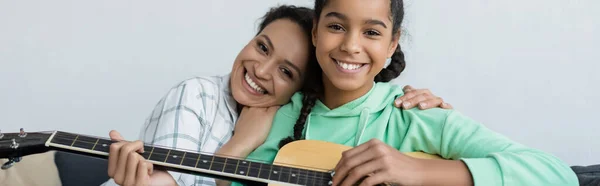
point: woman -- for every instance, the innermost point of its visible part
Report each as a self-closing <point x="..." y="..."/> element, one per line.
<point x="199" y="114"/>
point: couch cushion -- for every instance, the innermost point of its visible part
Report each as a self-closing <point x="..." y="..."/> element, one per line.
<point x="76" y="170"/>
<point x="37" y="169"/>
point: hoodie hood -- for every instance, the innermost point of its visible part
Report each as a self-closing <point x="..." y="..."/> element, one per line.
<point x="380" y="96"/>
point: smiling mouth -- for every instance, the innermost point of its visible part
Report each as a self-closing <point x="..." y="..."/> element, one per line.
<point x="254" y="86"/>
<point x="348" y="66"/>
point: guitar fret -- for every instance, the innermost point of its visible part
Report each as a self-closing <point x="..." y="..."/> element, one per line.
<point x="151" y="151"/>
<point x="293" y="175"/>
<point x="301" y="177"/>
<point x="312" y="177"/>
<point x="167" y="156"/>
<point x="62" y="139"/>
<point x="248" y="170"/>
<point x="84" y="142"/>
<point x="159" y="155"/>
<point x="218" y="163"/>
<point x="242" y="168"/>
<point x="205" y="162"/>
<point x="265" y="171"/>
<point x="259" y="172"/>
<point x="323" y="176"/>
<point x="182" y="158"/>
<point x="96" y="143"/>
<point x="197" y="160"/>
<point x="277" y="172"/>
<point x="74" y="140"/>
<point x="175" y="157"/>
<point x="147" y="152"/>
<point x="102" y="146"/>
<point x="231" y="166"/>
<point x="285" y="174"/>
<point x="190" y="159"/>
<point x="211" y="163"/>
<point x="236" y="167"/>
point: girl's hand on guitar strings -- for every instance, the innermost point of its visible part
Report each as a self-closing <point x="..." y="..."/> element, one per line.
<point x="128" y="168"/>
<point x="421" y="98"/>
<point x="377" y="163"/>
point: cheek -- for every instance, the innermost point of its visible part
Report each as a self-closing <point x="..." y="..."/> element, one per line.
<point x="285" y="90"/>
<point x="377" y="52"/>
<point x="327" y="41"/>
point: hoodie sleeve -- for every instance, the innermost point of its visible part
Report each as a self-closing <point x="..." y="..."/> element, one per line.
<point x="494" y="159"/>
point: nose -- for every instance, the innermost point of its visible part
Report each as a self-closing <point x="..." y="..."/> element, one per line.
<point x="263" y="70"/>
<point x="351" y="43"/>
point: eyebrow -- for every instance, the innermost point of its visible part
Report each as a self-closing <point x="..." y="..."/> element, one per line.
<point x="268" y="42"/>
<point x="337" y="15"/>
<point x="344" y="18"/>
<point x="288" y="62"/>
<point x="376" y="22"/>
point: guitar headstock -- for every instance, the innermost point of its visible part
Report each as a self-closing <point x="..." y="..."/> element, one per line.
<point x="16" y="145"/>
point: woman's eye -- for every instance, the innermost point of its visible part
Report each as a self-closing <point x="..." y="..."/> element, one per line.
<point x="263" y="47"/>
<point x="286" y="72"/>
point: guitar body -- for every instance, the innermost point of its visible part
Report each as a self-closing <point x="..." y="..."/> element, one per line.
<point x="320" y="155"/>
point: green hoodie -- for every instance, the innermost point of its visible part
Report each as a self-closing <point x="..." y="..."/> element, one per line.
<point x="491" y="158"/>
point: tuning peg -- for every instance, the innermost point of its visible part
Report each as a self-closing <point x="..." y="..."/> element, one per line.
<point x="22" y="133"/>
<point x="14" y="144"/>
<point x="10" y="162"/>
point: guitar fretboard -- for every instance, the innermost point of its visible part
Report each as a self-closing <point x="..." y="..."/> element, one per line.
<point x="204" y="163"/>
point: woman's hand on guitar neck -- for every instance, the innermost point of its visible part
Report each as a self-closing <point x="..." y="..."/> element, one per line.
<point x="128" y="168"/>
<point x="420" y="98"/>
<point x="379" y="163"/>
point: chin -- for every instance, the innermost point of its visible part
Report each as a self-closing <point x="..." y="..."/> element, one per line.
<point x="346" y="84"/>
<point x="239" y="96"/>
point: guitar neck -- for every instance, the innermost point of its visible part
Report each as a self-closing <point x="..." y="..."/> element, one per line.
<point x="196" y="163"/>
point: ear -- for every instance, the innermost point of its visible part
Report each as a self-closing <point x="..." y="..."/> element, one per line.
<point x="394" y="44"/>
<point x="314" y="33"/>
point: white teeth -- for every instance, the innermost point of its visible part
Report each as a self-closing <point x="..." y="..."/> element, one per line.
<point x="348" y="66"/>
<point x="252" y="84"/>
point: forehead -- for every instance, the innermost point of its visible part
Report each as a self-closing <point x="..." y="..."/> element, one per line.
<point x="289" y="41"/>
<point x="360" y="9"/>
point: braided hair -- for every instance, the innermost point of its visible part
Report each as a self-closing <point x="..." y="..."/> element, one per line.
<point x="315" y="86"/>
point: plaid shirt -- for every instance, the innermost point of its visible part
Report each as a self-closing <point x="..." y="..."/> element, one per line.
<point x="198" y="115"/>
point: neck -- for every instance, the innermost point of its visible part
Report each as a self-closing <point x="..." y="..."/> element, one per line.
<point x="335" y="97"/>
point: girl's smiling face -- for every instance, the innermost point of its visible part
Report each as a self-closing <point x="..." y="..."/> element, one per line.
<point x="353" y="38"/>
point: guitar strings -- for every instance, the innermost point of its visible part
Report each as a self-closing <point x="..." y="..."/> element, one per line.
<point x="209" y="153"/>
<point x="314" y="178"/>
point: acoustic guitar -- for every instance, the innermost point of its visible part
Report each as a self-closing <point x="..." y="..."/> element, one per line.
<point x="303" y="162"/>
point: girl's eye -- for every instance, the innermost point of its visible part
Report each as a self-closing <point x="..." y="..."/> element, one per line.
<point x="263" y="47"/>
<point x="372" y="33"/>
<point x="286" y="72"/>
<point x="335" y="27"/>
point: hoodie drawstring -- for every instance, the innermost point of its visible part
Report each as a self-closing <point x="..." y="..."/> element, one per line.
<point x="307" y="129"/>
<point x="362" y="124"/>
